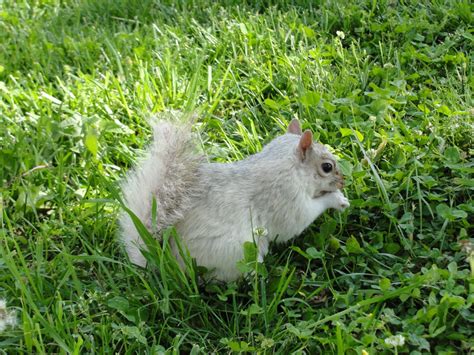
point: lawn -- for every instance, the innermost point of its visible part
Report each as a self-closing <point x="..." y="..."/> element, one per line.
<point x="386" y="84"/>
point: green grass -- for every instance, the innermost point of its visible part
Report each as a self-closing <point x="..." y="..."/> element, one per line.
<point x="387" y="84"/>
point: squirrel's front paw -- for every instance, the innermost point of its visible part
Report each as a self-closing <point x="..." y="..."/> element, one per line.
<point x="340" y="201"/>
<point x="343" y="203"/>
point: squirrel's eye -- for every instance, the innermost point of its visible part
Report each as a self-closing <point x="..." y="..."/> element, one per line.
<point x="327" y="167"/>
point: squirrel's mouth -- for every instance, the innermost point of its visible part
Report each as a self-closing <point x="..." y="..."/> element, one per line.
<point x="322" y="193"/>
<point x="337" y="184"/>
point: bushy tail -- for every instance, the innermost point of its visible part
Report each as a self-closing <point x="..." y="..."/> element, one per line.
<point x="167" y="174"/>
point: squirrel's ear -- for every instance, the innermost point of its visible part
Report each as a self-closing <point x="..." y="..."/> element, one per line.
<point x="306" y="141"/>
<point x="294" y="127"/>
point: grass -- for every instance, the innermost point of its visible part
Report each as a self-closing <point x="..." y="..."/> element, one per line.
<point x="388" y="85"/>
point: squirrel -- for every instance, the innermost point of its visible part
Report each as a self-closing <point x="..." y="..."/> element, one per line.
<point x="216" y="207"/>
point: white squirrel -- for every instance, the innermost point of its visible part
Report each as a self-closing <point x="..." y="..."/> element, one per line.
<point x="216" y="207"/>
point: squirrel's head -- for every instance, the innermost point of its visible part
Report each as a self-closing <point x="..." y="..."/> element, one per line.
<point x="316" y="162"/>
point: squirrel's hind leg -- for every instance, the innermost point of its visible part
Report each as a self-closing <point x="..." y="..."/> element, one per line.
<point x="132" y="241"/>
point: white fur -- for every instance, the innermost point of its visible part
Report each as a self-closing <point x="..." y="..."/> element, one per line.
<point x="217" y="207"/>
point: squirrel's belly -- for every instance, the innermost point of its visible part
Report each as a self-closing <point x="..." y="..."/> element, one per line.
<point x="216" y="245"/>
<point x="219" y="255"/>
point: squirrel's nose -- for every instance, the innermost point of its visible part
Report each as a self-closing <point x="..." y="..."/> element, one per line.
<point x="340" y="184"/>
<point x="339" y="181"/>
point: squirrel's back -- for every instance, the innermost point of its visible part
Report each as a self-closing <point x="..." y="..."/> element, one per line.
<point x="168" y="174"/>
